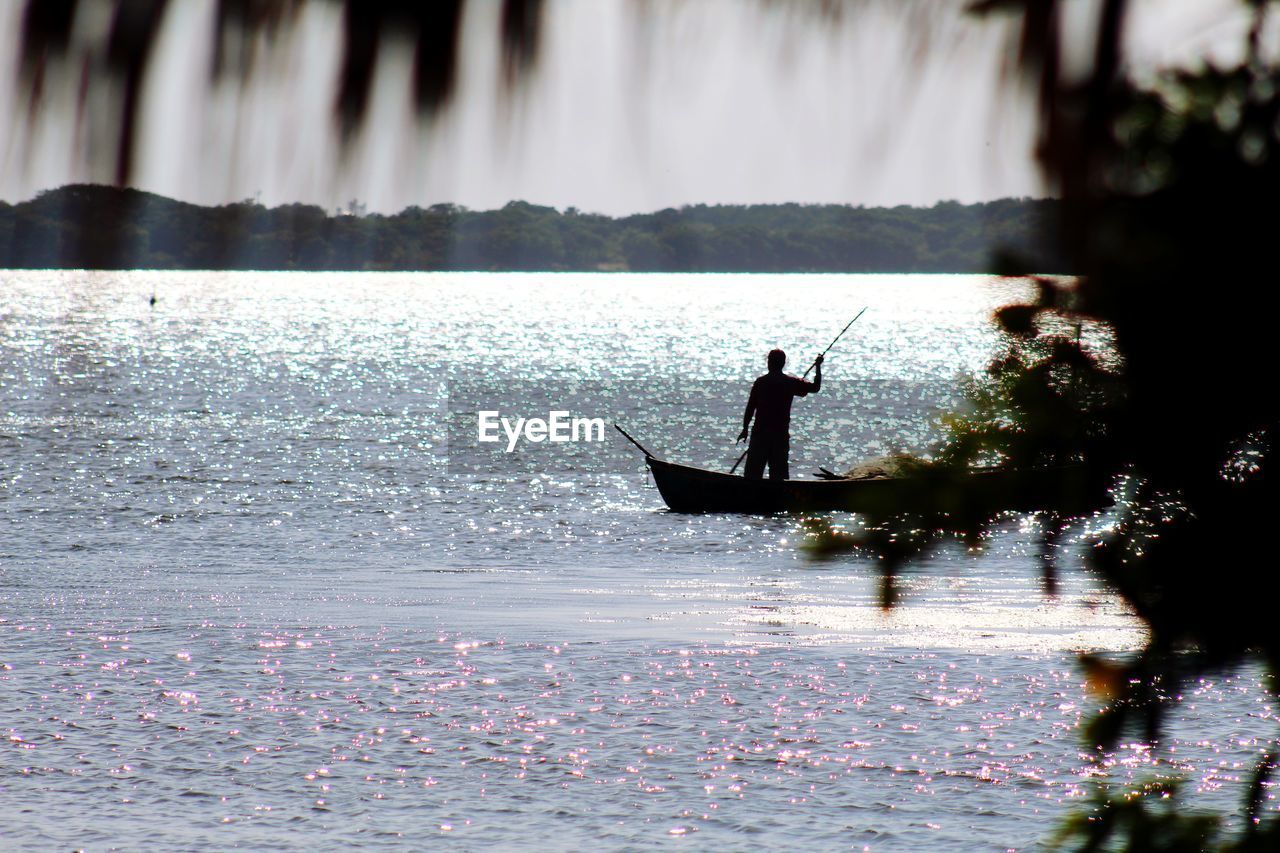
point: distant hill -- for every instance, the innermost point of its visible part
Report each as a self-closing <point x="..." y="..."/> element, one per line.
<point x="88" y="226"/>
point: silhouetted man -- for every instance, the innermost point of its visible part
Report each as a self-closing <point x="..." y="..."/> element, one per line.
<point x="770" y="403"/>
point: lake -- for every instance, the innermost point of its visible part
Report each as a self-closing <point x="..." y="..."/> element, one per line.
<point x="261" y="585"/>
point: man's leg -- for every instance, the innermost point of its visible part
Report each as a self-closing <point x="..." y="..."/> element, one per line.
<point x="757" y="455"/>
<point x="779" y="450"/>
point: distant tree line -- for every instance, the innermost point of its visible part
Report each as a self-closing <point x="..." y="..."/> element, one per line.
<point x="100" y="227"/>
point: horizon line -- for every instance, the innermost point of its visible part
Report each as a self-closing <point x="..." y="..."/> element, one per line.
<point x="347" y="210"/>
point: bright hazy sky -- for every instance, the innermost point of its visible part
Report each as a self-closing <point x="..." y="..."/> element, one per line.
<point x="636" y="107"/>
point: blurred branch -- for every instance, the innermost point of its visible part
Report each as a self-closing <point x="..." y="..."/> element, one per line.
<point x="129" y="48"/>
<point x="432" y="29"/>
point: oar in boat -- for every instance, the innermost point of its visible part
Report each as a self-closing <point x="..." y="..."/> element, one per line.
<point x="806" y="373"/>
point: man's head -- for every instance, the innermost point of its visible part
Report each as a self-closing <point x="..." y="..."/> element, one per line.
<point x="777" y="358"/>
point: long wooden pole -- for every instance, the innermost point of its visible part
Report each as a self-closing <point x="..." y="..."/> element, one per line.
<point x="833" y="342"/>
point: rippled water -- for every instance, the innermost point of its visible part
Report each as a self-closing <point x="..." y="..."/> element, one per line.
<point x="259" y="586"/>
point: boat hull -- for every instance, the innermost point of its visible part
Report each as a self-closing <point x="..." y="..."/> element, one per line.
<point x="697" y="490"/>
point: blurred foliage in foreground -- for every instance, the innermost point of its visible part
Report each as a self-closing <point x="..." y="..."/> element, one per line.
<point x="1147" y="817"/>
<point x="1169" y="189"/>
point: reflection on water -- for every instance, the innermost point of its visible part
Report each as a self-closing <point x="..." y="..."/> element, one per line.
<point x="341" y="735"/>
<point x="246" y="580"/>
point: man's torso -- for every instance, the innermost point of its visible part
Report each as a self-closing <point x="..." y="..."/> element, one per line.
<point x="772" y="395"/>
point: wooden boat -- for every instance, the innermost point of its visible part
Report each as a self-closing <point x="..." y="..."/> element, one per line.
<point x="688" y="489"/>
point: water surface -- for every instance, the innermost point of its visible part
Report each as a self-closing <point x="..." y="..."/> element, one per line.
<point x="259" y="586"/>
